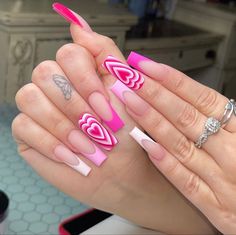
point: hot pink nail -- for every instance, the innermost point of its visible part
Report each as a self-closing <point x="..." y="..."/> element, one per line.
<point x="86" y="147"/>
<point x="124" y="73"/>
<point x="97" y="132"/>
<point x="134" y="60"/>
<point x="105" y="111"/>
<point x="65" y="12"/>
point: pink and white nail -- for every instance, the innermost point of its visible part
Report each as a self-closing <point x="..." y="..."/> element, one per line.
<point x="124" y="73"/>
<point x="65" y="155"/>
<point x="97" y="132"/>
<point x="86" y="147"/>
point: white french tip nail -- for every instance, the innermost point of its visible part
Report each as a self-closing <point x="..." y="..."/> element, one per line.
<point x="82" y="167"/>
<point x="139" y="136"/>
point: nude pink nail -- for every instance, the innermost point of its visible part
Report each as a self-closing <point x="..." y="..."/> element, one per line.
<point x="105" y="111"/>
<point x="130" y="77"/>
<point x="69" y="158"/>
<point x="97" y="132"/>
<point x="86" y="147"/>
<point x="136" y="104"/>
<point x="65" y="12"/>
<point x="153" y="149"/>
<point x="134" y="59"/>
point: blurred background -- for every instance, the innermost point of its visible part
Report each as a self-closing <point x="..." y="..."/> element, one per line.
<point x="197" y="37"/>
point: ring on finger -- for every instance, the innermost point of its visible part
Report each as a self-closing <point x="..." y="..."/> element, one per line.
<point x="230" y="108"/>
<point x="212" y="126"/>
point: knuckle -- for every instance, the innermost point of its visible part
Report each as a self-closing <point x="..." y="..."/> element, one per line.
<point x="154" y="92"/>
<point x="178" y="82"/>
<point x="27" y="94"/>
<point x="18" y="124"/>
<point x="173" y="169"/>
<point x="206" y="102"/>
<point x="66" y="51"/>
<point x="188" y="117"/>
<point x="61" y="126"/>
<point x="184" y="150"/>
<point x="107" y="41"/>
<point x="45" y="67"/>
<point x="155" y="121"/>
<point x="192" y="185"/>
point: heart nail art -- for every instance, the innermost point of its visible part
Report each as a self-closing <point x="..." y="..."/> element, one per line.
<point x="124" y="73"/>
<point x="95" y="130"/>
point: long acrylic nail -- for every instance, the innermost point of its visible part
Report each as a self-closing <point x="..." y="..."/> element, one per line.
<point x="130" y="77"/>
<point x="86" y="147"/>
<point x="67" y="13"/>
<point x="129" y="98"/>
<point x="153" y="149"/>
<point x="105" y="111"/>
<point x="97" y="132"/>
<point x="134" y="59"/>
<point x="69" y="158"/>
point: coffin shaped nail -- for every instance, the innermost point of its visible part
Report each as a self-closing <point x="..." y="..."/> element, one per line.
<point x="65" y="155"/>
<point x="130" y="77"/>
<point x="67" y="13"/>
<point x="86" y="147"/>
<point x="97" y="132"/>
<point x="105" y="111"/>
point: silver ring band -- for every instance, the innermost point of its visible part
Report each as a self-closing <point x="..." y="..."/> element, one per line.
<point x="230" y="108"/>
<point x="212" y="126"/>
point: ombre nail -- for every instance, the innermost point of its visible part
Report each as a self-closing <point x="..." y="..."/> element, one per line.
<point x="134" y="59"/>
<point x="65" y="12"/>
<point x="86" y="147"/>
<point x="105" y="111"/>
<point x="69" y="158"/>
<point x="130" y="77"/>
<point x="97" y="132"/>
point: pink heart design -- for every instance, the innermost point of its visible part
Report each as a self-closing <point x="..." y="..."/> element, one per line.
<point x="124" y="73"/>
<point x="90" y="126"/>
<point x="95" y="131"/>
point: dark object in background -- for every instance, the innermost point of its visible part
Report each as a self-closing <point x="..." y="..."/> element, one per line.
<point x="4" y="205"/>
<point x="83" y="221"/>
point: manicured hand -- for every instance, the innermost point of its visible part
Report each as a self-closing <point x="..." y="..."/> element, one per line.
<point x="173" y="109"/>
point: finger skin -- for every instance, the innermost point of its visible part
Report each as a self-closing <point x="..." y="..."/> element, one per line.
<point x="74" y="107"/>
<point x="185" y="117"/>
<point x="205" y="99"/>
<point x="78" y="65"/>
<point x="32" y="101"/>
<point x="34" y="136"/>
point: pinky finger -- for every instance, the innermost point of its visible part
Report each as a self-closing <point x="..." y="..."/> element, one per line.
<point x="187" y="182"/>
<point x="29" y="134"/>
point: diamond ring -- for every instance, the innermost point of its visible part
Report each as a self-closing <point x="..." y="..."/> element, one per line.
<point x="212" y="126"/>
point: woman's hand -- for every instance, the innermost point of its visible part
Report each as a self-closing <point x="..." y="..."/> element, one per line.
<point x="48" y="135"/>
<point x="173" y="109"/>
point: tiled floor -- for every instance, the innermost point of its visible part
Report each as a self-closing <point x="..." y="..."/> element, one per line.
<point x="35" y="206"/>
